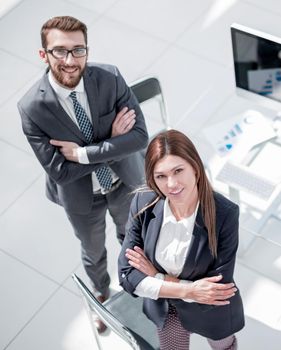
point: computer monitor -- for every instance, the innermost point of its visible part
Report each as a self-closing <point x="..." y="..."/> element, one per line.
<point x="257" y="64"/>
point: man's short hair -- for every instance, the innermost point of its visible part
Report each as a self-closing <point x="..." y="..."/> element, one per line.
<point x="63" y="23"/>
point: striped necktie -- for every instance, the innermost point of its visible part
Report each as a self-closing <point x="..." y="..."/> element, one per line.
<point x="103" y="174"/>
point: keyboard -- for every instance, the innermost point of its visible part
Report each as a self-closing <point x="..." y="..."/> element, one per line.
<point x="242" y="178"/>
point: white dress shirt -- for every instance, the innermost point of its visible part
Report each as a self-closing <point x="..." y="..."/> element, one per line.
<point x="171" y="251"/>
<point x="67" y="104"/>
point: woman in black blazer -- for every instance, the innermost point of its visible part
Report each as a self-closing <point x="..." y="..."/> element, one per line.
<point x="180" y="248"/>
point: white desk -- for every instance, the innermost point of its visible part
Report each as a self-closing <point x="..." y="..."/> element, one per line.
<point x="253" y="146"/>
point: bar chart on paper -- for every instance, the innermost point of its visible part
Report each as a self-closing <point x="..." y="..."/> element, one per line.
<point x="237" y="135"/>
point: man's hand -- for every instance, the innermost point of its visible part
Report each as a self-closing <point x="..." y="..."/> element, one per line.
<point x="123" y="122"/>
<point x="67" y="148"/>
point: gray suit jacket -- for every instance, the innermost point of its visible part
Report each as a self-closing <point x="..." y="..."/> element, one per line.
<point x="215" y="322"/>
<point x="43" y="118"/>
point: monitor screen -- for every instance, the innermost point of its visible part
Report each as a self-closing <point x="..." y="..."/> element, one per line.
<point x="257" y="63"/>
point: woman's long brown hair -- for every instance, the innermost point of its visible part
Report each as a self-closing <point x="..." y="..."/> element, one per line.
<point x="173" y="142"/>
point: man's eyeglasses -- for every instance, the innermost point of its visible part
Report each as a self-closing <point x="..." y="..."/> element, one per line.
<point x="59" y="53"/>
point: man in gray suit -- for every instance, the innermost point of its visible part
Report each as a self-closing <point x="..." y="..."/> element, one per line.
<point x="86" y="129"/>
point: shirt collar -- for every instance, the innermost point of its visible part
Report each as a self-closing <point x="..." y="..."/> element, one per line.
<point x="62" y="92"/>
<point x="168" y="216"/>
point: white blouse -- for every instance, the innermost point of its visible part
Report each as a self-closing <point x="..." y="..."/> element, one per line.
<point x="171" y="250"/>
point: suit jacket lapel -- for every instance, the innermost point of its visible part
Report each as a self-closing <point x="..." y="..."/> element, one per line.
<point x="91" y="88"/>
<point x="153" y="231"/>
<point x="50" y="99"/>
<point x="198" y="240"/>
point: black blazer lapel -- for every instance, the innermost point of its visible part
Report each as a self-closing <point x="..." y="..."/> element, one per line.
<point x="198" y="241"/>
<point x="152" y="233"/>
<point x="51" y="101"/>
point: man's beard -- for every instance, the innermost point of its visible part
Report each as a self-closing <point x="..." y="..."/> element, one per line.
<point x="63" y="78"/>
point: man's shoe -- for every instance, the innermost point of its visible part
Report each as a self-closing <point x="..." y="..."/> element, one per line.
<point x="100" y="326"/>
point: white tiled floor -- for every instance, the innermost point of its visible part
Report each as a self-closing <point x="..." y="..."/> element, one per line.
<point x="187" y="45"/>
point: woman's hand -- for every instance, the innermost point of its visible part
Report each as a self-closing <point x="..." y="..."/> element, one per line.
<point x="209" y="291"/>
<point x="139" y="261"/>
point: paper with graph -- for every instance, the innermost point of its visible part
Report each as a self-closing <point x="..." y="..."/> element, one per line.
<point x="237" y="135"/>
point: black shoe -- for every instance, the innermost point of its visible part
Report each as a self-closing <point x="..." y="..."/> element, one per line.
<point x="100" y="326"/>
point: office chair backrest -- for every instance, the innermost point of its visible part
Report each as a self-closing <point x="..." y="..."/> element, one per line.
<point x="146" y="88"/>
<point x="149" y="88"/>
<point x="125" y="333"/>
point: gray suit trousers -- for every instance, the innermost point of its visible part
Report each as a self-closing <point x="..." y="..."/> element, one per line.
<point x="90" y="230"/>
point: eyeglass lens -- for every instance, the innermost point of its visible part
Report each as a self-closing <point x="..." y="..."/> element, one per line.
<point x="63" y="53"/>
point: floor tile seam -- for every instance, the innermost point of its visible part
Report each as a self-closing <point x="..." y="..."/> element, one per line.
<point x="193" y="107"/>
<point x="219" y="106"/>
<point x="34" y="269"/>
<point x="71" y="291"/>
<point x="22" y="193"/>
<point x="130" y="27"/>
<point x="58" y="284"/>
<point x="19" y="57"/>
<point x="154" y="61"/>
<point x="261" y="8"/>
<point x="110" y="6"/>
<point x="41" y="307"/>
<point x="185" y="50"/>
<point x="16" y="147"/>
<point x="70" y="276"/>
<point x="195" y="104"/>
<point x="99" y="14"/>
<point x="261" y="236"/>
<point x="189" y="25"/>
<point x="9" y="98"/>
<point x="95" y="21"/>
<point x="226" y="65"/>
<point x="205" y="58"/>
<point x="160" y="38"/>
<point x="276" y="217"/>
<point x="78" y="294"/>
<point x="255" y="270"/>
<point x="8" y="12"/>
<point x="206" y="122"/>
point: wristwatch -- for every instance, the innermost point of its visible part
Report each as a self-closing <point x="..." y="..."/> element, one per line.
<point x="160" y="276"/>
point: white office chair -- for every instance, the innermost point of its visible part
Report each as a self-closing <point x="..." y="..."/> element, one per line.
<point x="123" y="315"/>
<point x="148" y="90"/>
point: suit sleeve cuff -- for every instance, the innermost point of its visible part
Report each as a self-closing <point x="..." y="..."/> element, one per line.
<point x="149" y="287"/>
<point x="82" y="155"/>
<point x="187" y="300"/>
